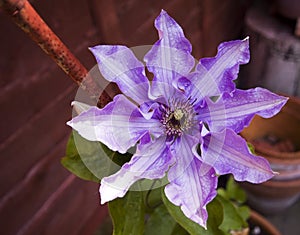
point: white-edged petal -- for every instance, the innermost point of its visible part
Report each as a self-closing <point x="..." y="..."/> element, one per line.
<point x="192" y="182"/>
<point x="151" y="161"/>
<point x="118" y="64"/>
<point x="119" y="125"/>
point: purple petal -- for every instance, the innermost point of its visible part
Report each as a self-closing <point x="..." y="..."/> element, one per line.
<point x="228" y="153"/>
<point x="170" y="57"/>
<point x="236" y="111"/>
<point x="214" y="76"/>
<point x="151" y="161"/>
<point x="118" y="64"/>
<point x="193" y="188"/>
<point x="119" y="125"/>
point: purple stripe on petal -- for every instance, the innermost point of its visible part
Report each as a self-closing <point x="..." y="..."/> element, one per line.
<point x="151" y="161"/>
<point x="183" y="151"/>
<point x="118" y="64"/>
<point x="192" y="183"/>
<point x="119" y="125"/>
<point x="236" y="111"/>
<point x="214" y="76"/>
<point x="228" y="153"/>
<point x="170" y="57"/>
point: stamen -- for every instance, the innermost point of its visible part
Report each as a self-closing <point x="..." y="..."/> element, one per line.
<point x="193" y="102"/>
<point x="178" y="116"/>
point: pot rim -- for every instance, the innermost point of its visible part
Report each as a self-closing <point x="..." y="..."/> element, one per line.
<point x="290" y="183"/>
<point x="269" y="153"/>
<point x="262" y="221"/>
<point x="294" y="157"/>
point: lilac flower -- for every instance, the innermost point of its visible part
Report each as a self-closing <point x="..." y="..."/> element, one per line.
<point x="184" y="122"/>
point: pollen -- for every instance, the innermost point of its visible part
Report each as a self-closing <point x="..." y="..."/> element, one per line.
<point x="178" y="117"/>
<point x="178" y="114"/>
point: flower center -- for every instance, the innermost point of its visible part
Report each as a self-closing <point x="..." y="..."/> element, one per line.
<point x="178" y="117"/>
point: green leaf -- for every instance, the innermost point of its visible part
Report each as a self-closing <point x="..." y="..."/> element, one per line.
<point x="235" y="215"/>
<point x="152" y="199"/>
<point x="160" y="222"/>
<point x="235" y="192"/>
<point x="232" y="217"/>
<point x="178" y="230"/>
<point x="91" y="160"/>
<point x="244" y="212"/>
<point x="128" y="214"/>
<point x="222" y="192"/>
<point x="74" y="164"/>
<point x="215" y="217"/>
<point x="251" y="148"/>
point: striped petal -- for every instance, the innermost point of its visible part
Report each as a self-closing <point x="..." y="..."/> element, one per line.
<point x="151" y="161"/>
<point x="228" y="153"/>
<point x="192" y="182"/>
<point x="170" y="57"/>
<point x="118" y="64"/>
<point x="214" y="76"/>
<point x="119" y="125"/>
<point x="236" y="111"/>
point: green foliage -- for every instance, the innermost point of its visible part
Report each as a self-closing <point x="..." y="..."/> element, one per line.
<point x="152" y="199"/>
<point x="161" y="222"/>
<point x="91" y="160"/>
<point x="251" y="148"/>
<point x="235" y="214"/>
<point x="232" y="218"/>
<point x="150" y="212"/>
<point x="215" y="218"/>
<point x="234" y="191"/>
<point x="72" y="161"/>
<point x="244" y="212"/>
<point x="128" y="214"/>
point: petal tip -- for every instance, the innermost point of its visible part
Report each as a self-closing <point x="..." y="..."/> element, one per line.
<point x="69" y="123"/>
<point x="107" y="193"/>
<point x="163" y="13"/>
<point x="102" y="201"/>
<point x="92" y="49"/>
<point x="246" y="39"/>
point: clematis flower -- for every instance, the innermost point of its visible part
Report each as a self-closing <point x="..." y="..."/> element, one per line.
<point x="184" y="123"/>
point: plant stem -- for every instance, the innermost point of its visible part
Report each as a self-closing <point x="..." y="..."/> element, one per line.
<point x="25" y="16"/>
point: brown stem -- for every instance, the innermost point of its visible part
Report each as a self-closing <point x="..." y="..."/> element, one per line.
<point x="32" y="24"/>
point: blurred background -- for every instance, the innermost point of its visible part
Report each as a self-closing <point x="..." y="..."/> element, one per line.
<point x="37" y="195"/>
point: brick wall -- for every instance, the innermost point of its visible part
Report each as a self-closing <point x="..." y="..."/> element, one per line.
<point x="206" y="22"/>
<point x="37" y="195"/>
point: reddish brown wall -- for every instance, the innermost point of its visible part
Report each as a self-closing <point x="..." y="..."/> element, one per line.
<point x="37" y="195"/>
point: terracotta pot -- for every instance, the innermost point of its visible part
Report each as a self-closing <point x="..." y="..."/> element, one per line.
<point x="275" y="54"/>
<point x="282" y="190"/>
<point x="265" y="227"/>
